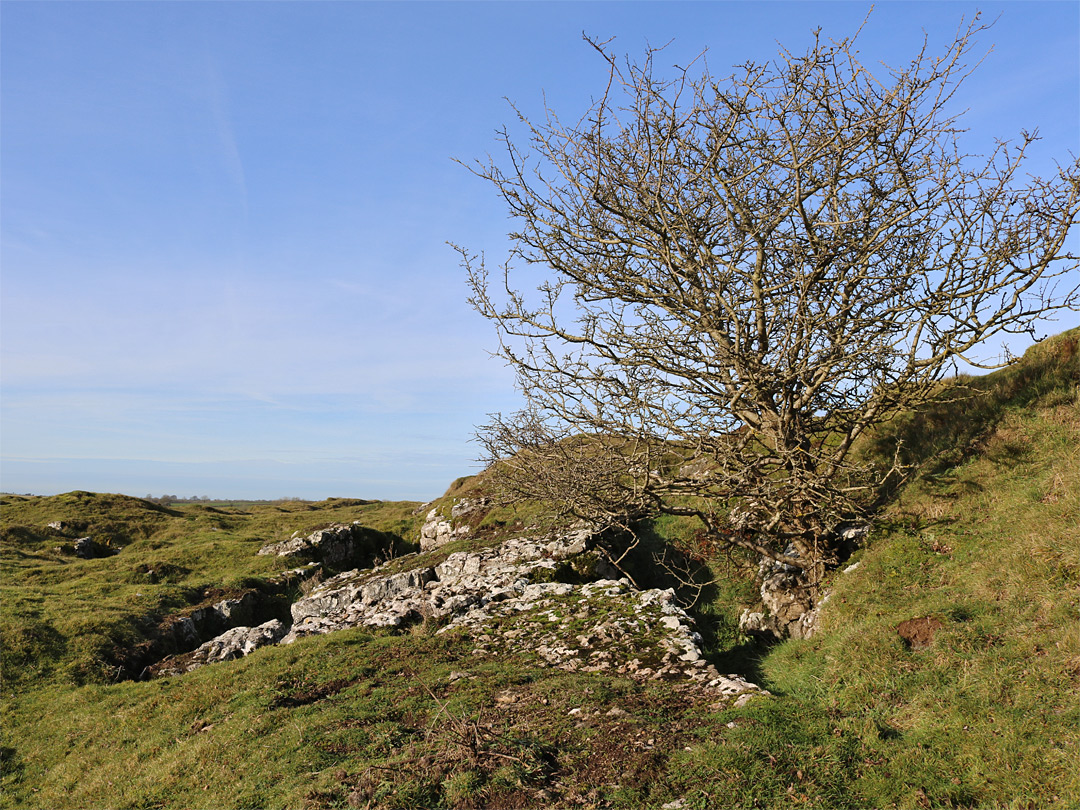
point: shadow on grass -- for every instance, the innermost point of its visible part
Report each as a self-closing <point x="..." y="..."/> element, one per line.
<point x="712" y="591"/>
<point x="11" y="764"/>
<point x="949" y="429"/>
<point x="743" y="659"/>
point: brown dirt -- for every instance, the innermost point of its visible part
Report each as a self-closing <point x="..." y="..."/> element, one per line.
<point x="918" y="634"/>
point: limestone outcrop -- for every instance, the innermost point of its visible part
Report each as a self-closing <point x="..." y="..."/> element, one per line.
<point x="553" y="596"/>
<point x="378" y="598"/>
<point x="787" y="607"/>
<point x="605" y="625"/>
<point x="790" y="608"/>
<point x="505" y="597"/>
<point x="437" y="530"/>
<point x="337" y="545"/>
<point x="213" y="620"/>
<point x="234" y="643"/>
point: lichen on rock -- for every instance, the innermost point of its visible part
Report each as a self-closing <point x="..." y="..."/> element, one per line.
<point x="550" y="596"/>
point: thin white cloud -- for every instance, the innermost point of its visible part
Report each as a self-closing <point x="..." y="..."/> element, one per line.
<point x="217" y="96"/>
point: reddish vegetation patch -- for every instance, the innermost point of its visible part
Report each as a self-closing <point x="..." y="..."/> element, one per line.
<point x="304" y="693"/>
<point x="918" y="634"/>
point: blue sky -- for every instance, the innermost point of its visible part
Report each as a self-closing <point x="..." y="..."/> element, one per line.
<point x="223" y="262"/>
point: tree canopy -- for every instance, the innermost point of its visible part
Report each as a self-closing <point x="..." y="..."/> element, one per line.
<point x="742" y="275"/>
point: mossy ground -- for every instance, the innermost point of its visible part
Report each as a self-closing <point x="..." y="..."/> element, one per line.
<point x="986" y="541"/>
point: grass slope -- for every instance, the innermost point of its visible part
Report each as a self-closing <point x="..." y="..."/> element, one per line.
<point x="985" y="543"/>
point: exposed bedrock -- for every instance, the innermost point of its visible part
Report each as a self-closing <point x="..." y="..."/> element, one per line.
<point x="552" y="596"/>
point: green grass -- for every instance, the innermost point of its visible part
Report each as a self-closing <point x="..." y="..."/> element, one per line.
<point x="986" y="539"/>
<point x="71" y="619"/>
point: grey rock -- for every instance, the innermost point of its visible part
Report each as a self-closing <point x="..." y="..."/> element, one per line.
<point x="234" y="643"/>
<point x="437" y="532"/>
<point x="358" y="599"/>
<point x="185" y="633"/>
<point x="467" y="505"/>
<point x="335" y="545"/>
<point x="509" y="587"/>
<point x="617" y="617"/>
<point x="788" y="606"/>
<point x="236" y="612"/>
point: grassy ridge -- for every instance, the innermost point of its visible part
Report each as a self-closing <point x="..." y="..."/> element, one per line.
<point x="985" y="543"/>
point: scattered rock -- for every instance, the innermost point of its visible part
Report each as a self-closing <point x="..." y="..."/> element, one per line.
<point x="640" y="634"/>
<point x="467" y="505"/>
<point x="743" y="699"/>
<point x="790" y="606"/>
<point x="437" y="532"/>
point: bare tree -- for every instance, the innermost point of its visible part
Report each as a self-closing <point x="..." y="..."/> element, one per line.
<point x="740" y="276"/>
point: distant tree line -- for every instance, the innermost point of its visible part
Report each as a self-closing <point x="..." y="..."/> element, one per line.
<point x="165" y="500"/>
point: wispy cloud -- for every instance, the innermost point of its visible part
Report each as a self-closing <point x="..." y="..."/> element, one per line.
<point x="224" y="225"/>
<point x="217" y="97"/>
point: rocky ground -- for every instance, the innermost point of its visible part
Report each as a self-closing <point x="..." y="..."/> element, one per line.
<point x="553" y="595"/>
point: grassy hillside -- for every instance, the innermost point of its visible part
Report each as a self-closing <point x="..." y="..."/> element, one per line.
<point x="981" y="708"/>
